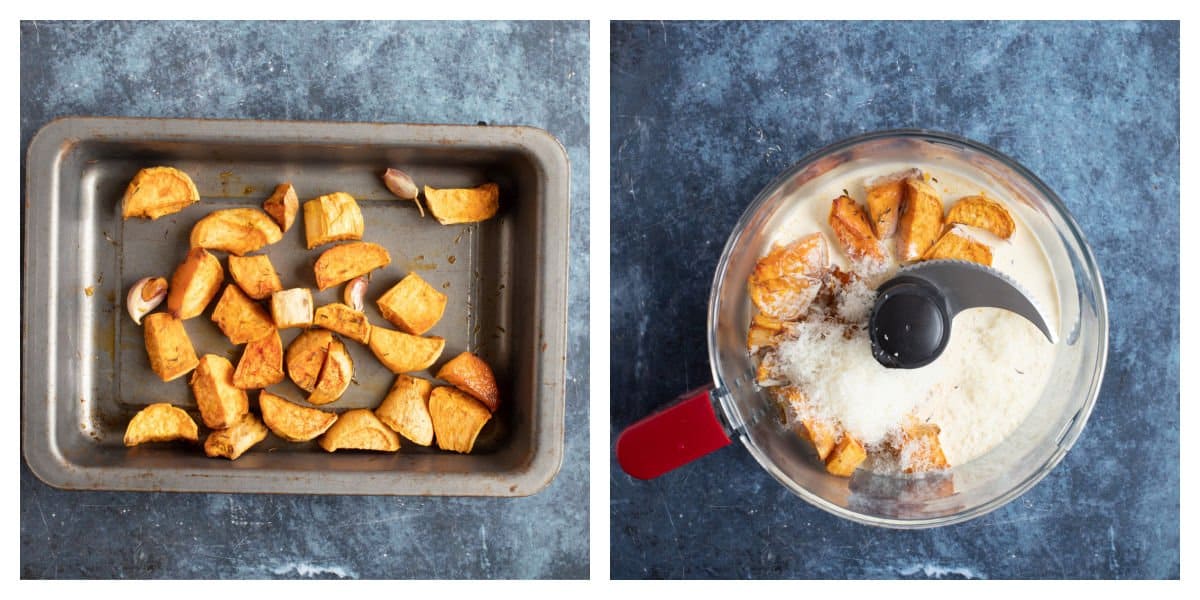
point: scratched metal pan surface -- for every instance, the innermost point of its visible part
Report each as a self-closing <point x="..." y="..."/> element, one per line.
<point x="84" y="364"/>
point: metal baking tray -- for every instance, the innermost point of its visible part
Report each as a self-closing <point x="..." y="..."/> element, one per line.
<point x="84" y="367"/>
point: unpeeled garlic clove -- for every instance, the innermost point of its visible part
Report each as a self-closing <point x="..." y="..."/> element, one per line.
<point x="144" y="296"/>
<point x="403" y="186"/>
<point x="355" y="291"/>
<point x="400" y="184"/>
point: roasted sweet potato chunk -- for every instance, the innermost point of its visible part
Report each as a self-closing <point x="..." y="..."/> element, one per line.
<point x="853" y="230"/>
<point x="261" y="364"/>
<point x="194" y="284"/>
<point x="283" y="206"/>
<point x="339" y="318"/>
<point x="236" y="439"/>
<point x="457" y="418"/>
<point x="845" y="456"/>
<point x="920" y="448"/>
<point x="255" y="275"/>
<point x="291" y="421"/>
<point x="344" y="262"/>
<point x="786" y="280"/>
<point x="820" y="433"/>
<point x="956" y="244"/>
<point x="221" y="403"/>
<point x="406" y="409"/>
<point x="807" y="256"/>
<point x="472" y="375"/>
<point x="984" y="213"/>
<point x="240" y="318"/>
<point x="412" y="305"/>
<point x="450" y="206"/>
<point x="292" y="308"/>
<point x="404" y="353"/>
<point x="332" y="218"/>
<point x="885" y="195"/>
<point x="920" y="219"/>
<point x="359" y="429"/>
<point x="784" y="298"/>
<point x="157" y="192"/>
<point x="168" y="346"/>
<point x="161" y="422"/>
<point x="764" y="331"/>
<point x="335" y="375"/>
<point x="235" y="230"/>
<point x="306" y="357"/>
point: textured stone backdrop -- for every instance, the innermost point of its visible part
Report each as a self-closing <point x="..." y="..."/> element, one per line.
<point x="706" y="114"/>
<point x="444" y="72"/>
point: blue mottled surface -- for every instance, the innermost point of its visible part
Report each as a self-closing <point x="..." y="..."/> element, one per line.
<point x="503" y="73"/>
<point x="704" y="115"/>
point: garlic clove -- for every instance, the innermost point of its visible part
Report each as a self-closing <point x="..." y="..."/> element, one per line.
<point x="354" y="293"/>
<point x="403" y="186"/>
<point x="400" y="184"/>
<point x="145" y="296"/>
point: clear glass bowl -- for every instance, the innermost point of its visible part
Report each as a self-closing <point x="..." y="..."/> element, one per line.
<point x="968" y="490"/>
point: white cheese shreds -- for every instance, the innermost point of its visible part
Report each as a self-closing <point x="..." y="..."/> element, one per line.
<point x="844" y="383"/>
<point x="855" y="301"/>
<point x="978" y="391"/>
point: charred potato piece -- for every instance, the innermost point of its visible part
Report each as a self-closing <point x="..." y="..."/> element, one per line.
<point x="283" y="206"/>
<point x="220" y="402"/>
<point x="412" y="305"/>
<point x="957" y="245"/>
<point x="921" y="449"/>
<point x="168" y="346"/>
<point x="404" y="353"/>
<point x="853" y="230"/>
<point x="291" y="421"/>
<point x="981" y="212"/>
<point x="255" y="275"/>
<point x="335" y="375"/>
<point x="261" y="364"/>
<point x="306" y="357"/>
<point x="235" y="230"/>
<point x="885" y="195"/>
<point x="161" y="422"/>
<point x="359" y="429"/>
<point x="470" y="374"/>
<point x="450" y="206"/>
<point x="846" y="456"/>
<point x="339" y="318"/>
<point x="457" y="418"/>
<point x="920" y="219"/>
<point x="157" y="192"/>
<point x="240" y="318"/>
<point x="406" y="409"/>
<point x="344" y="262"/>
<point x="292" y="308"/>
<point x="237" y="439"/>
<point x="332" y="218"/>
<point x="194" y="283"/>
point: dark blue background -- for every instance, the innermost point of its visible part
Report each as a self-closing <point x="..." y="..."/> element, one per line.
<point x="706" y="114"/>
<point x="445" y="72"/>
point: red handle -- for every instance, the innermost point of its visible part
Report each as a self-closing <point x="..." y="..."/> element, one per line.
<point x="672" y="437"/>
